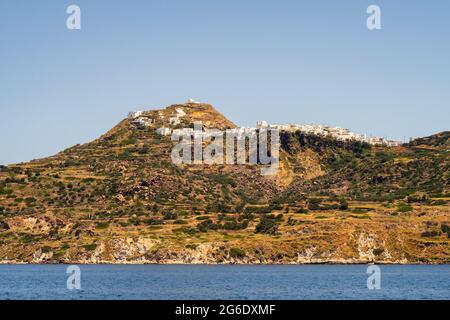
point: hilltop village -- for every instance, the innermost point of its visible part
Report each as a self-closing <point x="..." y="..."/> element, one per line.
<point x="122" y="198"/>
<point x="141" y="119"/>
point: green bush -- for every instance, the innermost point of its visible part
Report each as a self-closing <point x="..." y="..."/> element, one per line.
<point x="302" y="210"/>
<point x="343" y="205"/>
<point x="430" y="234"/>
<point x="404" y="208"/>
<point x="257" y="210"/>
<point x="417" y="197"/>
<point x="4" y="225"/>
<point x="128" y="141"/>
<point x="234" y="225"/>
<point x="314" y="204"/>
<point x="102" y="225"/>
<point x="237" y="253"/>
<point x="202" y="218"/>
<point x="30" y="201"/>
<point x="125" y="155"/>
<point x="207" y="225"/>
<point x="187" y="230"/>
<point x="267" y="226"/>
<point x="46" y="249"/>
<point x="382" y="156"/>
<point x="4" y="191"/>
<point x="153" y="222"/>
<point x="90" y="247"/>
<point x="28" y="238"/>
<point x="170" y="216"/>
<point x="445" y="229"/>
<point x="438" y="203"/>
<point x="378" y="251"/>
<point x="246" y="216"/>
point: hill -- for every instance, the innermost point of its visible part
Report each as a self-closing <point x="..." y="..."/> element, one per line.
<point x="440" y="140"/>
<point x="121" y="199"/>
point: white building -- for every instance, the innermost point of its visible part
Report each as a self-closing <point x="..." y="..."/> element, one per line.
<point x="338" y="133"/>
<point x="174" y="120"/>
<point x="164" y="131"/>
<point x="134" y="114"/>
<point x="142" y="122"/>
<point x="175" y="117"/>
<point x="262" y="124"/>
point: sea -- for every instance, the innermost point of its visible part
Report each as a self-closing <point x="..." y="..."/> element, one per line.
<point x="224" y="282"/>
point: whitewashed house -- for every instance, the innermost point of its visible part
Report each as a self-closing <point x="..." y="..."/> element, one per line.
<point x="175" y="117"/>
<point x="173" y="120"/>
<point x="134" y="114"/>
<point x="142" y="122"/>
<point x="262" y="124"/>
<point x="163" y="131"/>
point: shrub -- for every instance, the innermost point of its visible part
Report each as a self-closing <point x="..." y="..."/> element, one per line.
<point x="170" y="216"/>
<point x="417" y="197"/>
<point x="128" y="141"/>
<point x="382" y="156"/>
<point x="237" y="253"/>
<point x="404" y="208"/>
<point x="314" y="204"/>
<point x="46" y="249"/>
<point x="430" y="234"/>
<point x="234" y="225"/>
<point x="378" y="251"/>
<point x="445" y="228"/>
<point x="28" y="238"/>
<point x="246" y="216"/>
<point x="343" y="205"/>
<point x="187" y="230"/>
<point x="207" y="225"/>
<point x="90" y="247"/>
<point x="4" y="225"/>
<point x="153" y="222"/>
<point x="438" y="202"/>
<point x="30" y="200"/>
<point x="266" y="226"/>
<point x="302" y="210"/>
<point x="5" y="191"/>
<point x="102" y="225"/>
<point x="134" y="221"/>
<point x="257" y="210"/>
<point x="125" y="155"/>
<point x="202" y="218"/>
<point x="65" y="246"/>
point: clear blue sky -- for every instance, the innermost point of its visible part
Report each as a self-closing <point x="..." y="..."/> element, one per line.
<point x="281" y="61"/>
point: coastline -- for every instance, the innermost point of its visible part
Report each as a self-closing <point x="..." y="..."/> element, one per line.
<point x="136" y="262"/>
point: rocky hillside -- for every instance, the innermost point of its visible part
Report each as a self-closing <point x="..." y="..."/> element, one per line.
<point x="120" y="199"/>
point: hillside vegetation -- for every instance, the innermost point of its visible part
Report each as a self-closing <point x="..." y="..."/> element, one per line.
<point x="120" y="199"/>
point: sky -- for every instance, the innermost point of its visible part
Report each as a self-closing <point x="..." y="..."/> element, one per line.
<point x="283" y="61"/>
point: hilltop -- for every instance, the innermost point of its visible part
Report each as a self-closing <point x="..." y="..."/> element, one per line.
<point x="120" y="199"/>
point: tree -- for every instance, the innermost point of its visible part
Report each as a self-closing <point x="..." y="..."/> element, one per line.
<point x="267" y="226"/>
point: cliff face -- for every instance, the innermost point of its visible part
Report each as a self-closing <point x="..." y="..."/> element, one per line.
<point x="120" y="199"/>
<point x="380" y="235"/>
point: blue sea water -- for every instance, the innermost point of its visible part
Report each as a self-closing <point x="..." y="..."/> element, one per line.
<point x="271" y="282"/>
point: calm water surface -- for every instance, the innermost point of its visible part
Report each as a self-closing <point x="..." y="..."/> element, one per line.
<point x="225" y="282"/>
